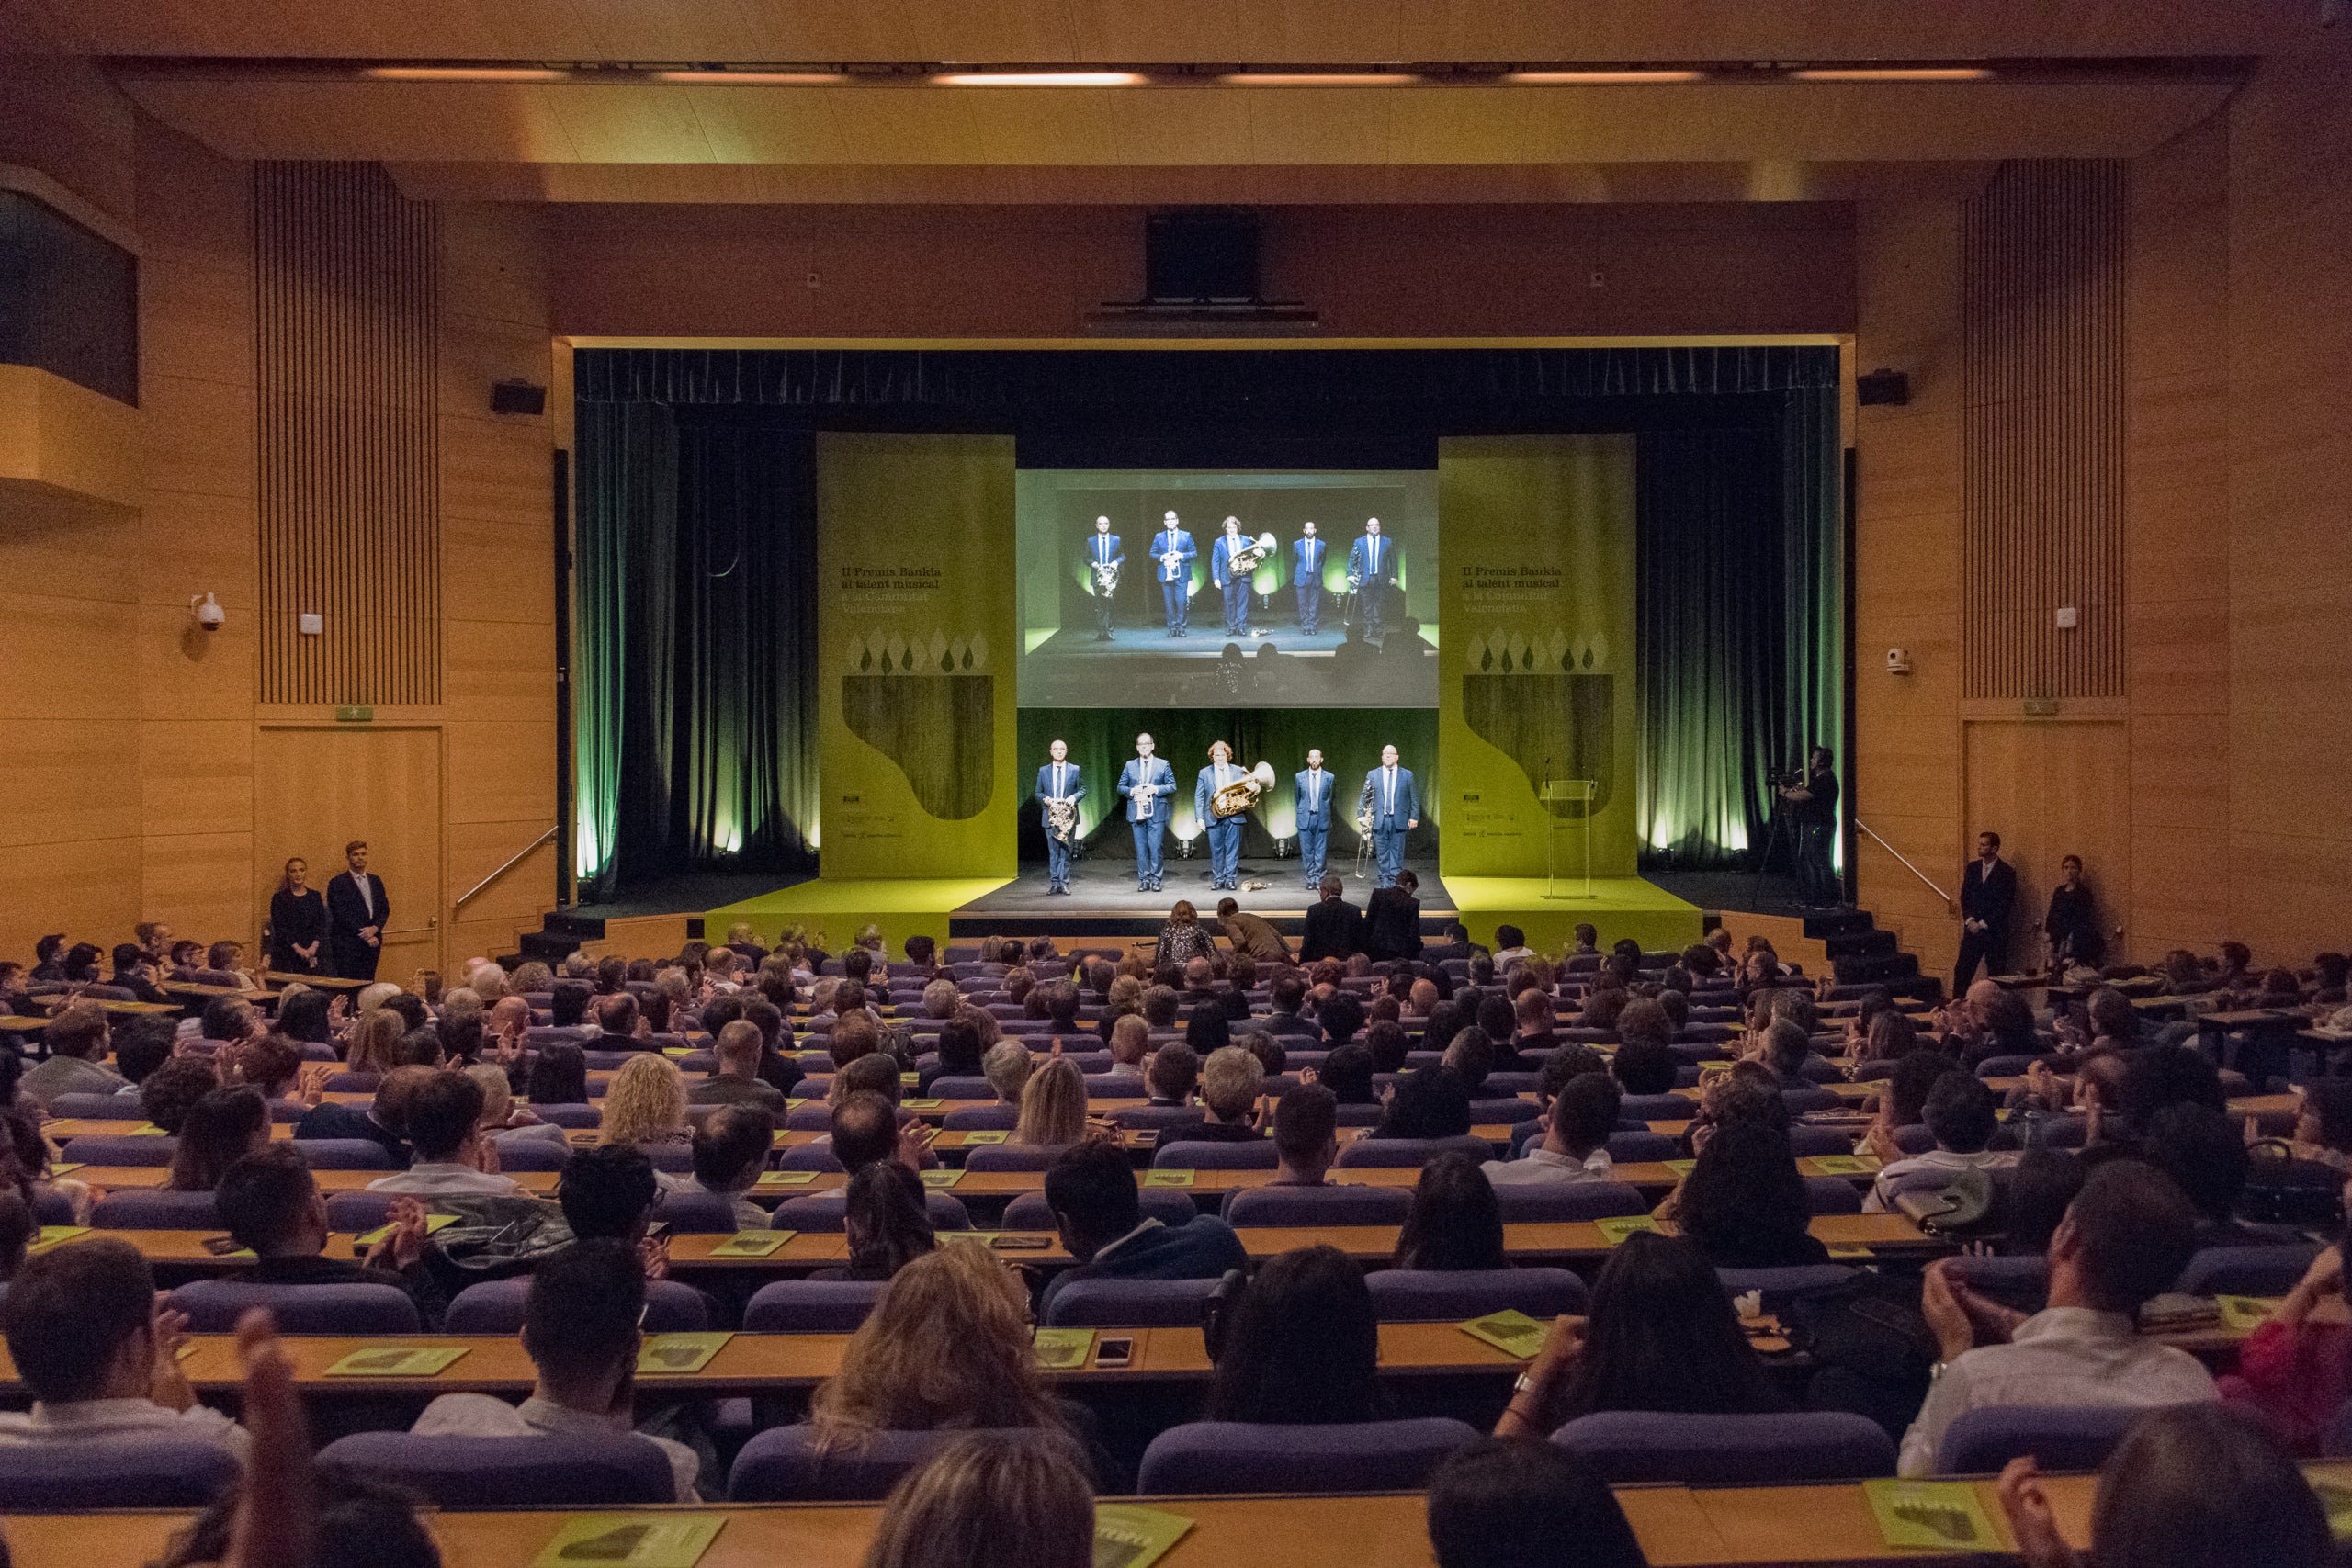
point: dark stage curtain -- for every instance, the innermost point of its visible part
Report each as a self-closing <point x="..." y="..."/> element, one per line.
<point x="1741" y="647"/>
<point x="697" y="716"/>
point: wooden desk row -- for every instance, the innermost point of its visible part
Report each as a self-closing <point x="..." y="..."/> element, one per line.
<point x="1679" y="1527"/>
<point x="1859" y="1236"/>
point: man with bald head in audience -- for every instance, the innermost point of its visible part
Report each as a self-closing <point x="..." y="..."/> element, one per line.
<point x="736" y="1079"/>
<point x="620" y="1026"/>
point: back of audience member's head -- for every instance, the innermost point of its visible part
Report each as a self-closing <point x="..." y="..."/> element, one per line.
<point x="2158" y="1076"/>
<point x="1498" y="1016"/>
<point x="2128" y="1234"/>
<point x="948" y="1345"/>
<point x="1090" y="1188"/>
<point x="873" y="1073"/>
<point x="1522" y="1502"/>
<point x="1643" y="1023"/>
<point x="1429" y="1102"/>
<point x="1470" y="1054"/>
<point x="1660" y="1334"/>
<point x="419" y="1048"/>
<point x="730" y="1147"/>
<point x="358" y="1522"/>
<point x="608" y="1190"/>
<point x="1231" y="1080"/>
<point x="568" y="1004"/>
<point x="265" y="1199"/>
<point x="79" y="1032"/>
<point x="887" y="1218"/>
<point x="1915" y="1074"/>
<point x="2035" y="1193"/>
<point x="19" y="1225"/>
<point x="1302" y="1345"/>
<point x="1585" y="1113"/>
<point x="1455" y="1224"/>
<point x="71" y="1317"/>
<point x="1562" y="1063"/>
<point x="1785" y="1047"/>
<point x="558" y="1076"/>
<point x="1007" y="1065"/>
<point x="1174" y="1071"/>
<point x="1744" y="1194"/>
<point x="1348" y="1073"/>
<point x="2206" y="1487"/>
<point x="580" y="1319"/>
<point x="2202" y="1152"/>
<point x="865" y="1128"/>
<point x="1644" y="1069"/>
<point x="219" y="1130"/>
<point x="1306" y="1120"/>
<point x="171" y="1091"/>
<point x="1053" y="1105"/>
<point x="441" y="1113"/>
<point x="1959" y="1114"/>
<point x="1341" y="1017"/>
<point x="141" y="1044"/>
<point x="1386" y="1045"/>
<point x="982" y="1503"/>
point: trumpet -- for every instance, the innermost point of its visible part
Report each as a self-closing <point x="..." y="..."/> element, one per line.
<point x="1242" y="793"/>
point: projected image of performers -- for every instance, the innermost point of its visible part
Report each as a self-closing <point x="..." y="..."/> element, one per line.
<point x="1228" y="590"/>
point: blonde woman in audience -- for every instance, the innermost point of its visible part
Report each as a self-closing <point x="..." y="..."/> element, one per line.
<point x="533" y="975"/>
<point x="503" y="1122"/>
<point x="947" y="1348"/>
<point x="373" y="1042"/>
<point x="374" y="996"/>
<point x="1053" y="1105"/>
<point x="645" y="1104"/>
<point x="981" y="1504"/>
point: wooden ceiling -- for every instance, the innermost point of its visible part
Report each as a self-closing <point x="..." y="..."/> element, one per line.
<point x="1168" y="30"/>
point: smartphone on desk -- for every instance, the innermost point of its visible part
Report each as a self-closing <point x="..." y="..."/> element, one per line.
<point x="1115" y="1353"/>
<point x="221" y="1245"/>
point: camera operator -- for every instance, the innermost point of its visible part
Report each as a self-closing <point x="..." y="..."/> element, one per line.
<point x="1812" y="802"/>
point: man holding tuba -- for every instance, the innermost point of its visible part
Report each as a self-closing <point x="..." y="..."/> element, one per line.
<point x="1221" y="797"/>
<point x="1103" y="560"/>
<point x="1060" y="788"/>
<point x="1232" y="559"/>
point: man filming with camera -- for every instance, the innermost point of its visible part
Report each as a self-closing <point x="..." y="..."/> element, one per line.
<point x="1812" y="801"/>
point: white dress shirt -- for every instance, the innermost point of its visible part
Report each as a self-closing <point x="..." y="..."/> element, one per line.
<point x="1540" y="1167"/>
<point x="483" y="1416"/>
<point x="1314" y="790"/>
<point x="104" y="1420"/>
<point x="2059" y="1356"/>
<point x="1934" y="1168"/>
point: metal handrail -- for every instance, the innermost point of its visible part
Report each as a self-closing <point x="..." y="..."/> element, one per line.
<point x="1863" y="827"/>
<point x="511" y="862"/>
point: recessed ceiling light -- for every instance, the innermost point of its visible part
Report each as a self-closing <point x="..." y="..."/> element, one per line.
<point x="1894" y="74"/>
<point x="1319" y="78"/>
<point x="465" y="73"/>
<point x="1039" y="78"/>
<point x="1599" y="78"/>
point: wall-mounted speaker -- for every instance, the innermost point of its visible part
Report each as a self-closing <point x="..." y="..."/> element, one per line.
<point x="1882" y="389"/>
<point x="517" y="397"/>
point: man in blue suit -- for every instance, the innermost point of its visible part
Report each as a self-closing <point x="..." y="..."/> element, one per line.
<point x="1234" y="581"/>
<point x="1100" y="551"/>
<point x="1396" y="809"/>
<point x="1172" y="558"/>
<point x="1059" y="780"/>
<point x="1314" y="784"/>
<point x="1148" y="787"/>
<point x="1224" y="832"/>
<point x="1306" y="576"/>
<point x="1371" y="561"/>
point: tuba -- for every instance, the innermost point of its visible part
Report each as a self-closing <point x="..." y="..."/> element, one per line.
<point x="1242" y="793"/>
<point x="1244" y="561"/>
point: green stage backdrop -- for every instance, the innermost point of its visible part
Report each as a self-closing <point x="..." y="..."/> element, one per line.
<point x="1535" y="671"/>
<point x="916" y="643"/>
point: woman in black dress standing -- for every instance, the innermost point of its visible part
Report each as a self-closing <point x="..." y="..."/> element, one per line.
<point x="297" y="923"/>
<point x="2071" y="924"/>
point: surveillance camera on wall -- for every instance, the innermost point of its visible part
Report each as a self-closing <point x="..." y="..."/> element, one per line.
<point x="1898" y="661"/>
<point x="206" y="608"/>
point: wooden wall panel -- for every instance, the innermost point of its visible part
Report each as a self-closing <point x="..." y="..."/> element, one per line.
<point x="345" y="272"/>
<point x="2049" y="790"/>
<point x="2043" y="484"/>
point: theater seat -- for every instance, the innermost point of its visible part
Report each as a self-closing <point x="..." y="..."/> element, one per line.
<point x="94" y="1106"/>
<point x="1242" y="1456"/>
<point x="1260" y="1154"/>
<point x="345" y="1154"/>
<point x="1169" y="1205"/>
<point x="782" y="1464"/>
<point x="1394" y="1152"/>
<point x="1131" y="1304"/>
<point x="1625" y="1446"/>
<point x="1805" y="1143"/>
<point x="825" y="1212"/>
<point x="1011" y="1157"/>
<point x="151" y="1473"/>
<point x="1636" y="1148"/>
<point x="696" y="1213"/>
<point x="1784" y="1284"/>
<point x="2059" y="1437"/>
<point x="1831" y="1195"/>
<point x="501" y="1472"/>
<point x="1534" y="1203"/>
<point x="152" y="1209"/>
<point x="495" y="1306"/>
<point x="94" y="1148"/>
<point x="1318" y="1206"/>
<point x="812" y="1307"/>
<point x="213" y="1306"/>
<point x="2243" y="1271"/>
<point x="1431" y="1295"/>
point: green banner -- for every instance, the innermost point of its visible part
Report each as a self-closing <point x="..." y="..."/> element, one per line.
<point x="1536" y="666"/>
<point x="916" y="634"/>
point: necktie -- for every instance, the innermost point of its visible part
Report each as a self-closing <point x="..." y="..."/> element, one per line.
<point x="1388" y="798"/>
<point x="1376" y="556"/>
<point x="1057" y="779"/>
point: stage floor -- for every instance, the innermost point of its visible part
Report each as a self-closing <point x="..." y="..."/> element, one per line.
<point x="967" y="909"/>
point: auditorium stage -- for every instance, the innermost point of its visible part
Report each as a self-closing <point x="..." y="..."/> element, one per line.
<point x="1107" y="906"/>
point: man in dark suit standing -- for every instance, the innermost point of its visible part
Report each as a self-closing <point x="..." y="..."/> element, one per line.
<point x="357" y="910"/>
<point x="1989" y="886"/>
<point x="1392" y="919"/>
<point x="1334" y="929"/>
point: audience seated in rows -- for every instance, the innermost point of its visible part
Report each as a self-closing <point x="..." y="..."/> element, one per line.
<point x="1091" y="1191"/>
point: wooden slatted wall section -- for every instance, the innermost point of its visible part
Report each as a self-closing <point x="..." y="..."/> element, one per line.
<point x="346" y="289"/>
<point x="2042" y="494"/>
